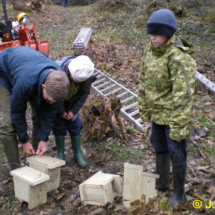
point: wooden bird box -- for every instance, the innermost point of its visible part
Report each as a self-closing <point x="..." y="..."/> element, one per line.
<point x="100" y="189"/>
<point x="50" y="166"/>
<point x="137" y="183"/>
<point x="29" y="186"/>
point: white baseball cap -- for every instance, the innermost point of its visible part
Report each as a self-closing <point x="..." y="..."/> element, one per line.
<point x="81" y="68"/>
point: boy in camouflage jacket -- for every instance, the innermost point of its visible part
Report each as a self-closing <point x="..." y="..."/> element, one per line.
<point x="166" y="87"/>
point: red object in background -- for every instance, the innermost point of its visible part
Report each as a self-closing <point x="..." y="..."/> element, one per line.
<point x="26" y="37"/>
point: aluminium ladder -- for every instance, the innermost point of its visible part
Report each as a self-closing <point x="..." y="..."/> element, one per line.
<point x="210" y="85"/>
<point x="106" y="86"/>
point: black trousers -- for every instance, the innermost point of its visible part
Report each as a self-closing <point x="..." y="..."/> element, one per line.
<point x="162" y="144"/>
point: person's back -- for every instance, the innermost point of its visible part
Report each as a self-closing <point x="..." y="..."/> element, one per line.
<point x="26" y="76"/>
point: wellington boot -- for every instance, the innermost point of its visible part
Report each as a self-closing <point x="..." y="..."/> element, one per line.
<point x="179" y="172"/>
<point x="35" y="141"/>
<point x="11" y="151"/>
<point x="162" y="169"/>
<point x="76" y="146"/>
<point x="60" y="142"/>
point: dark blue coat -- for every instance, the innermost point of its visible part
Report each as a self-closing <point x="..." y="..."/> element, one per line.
<point x="23" y="71"/>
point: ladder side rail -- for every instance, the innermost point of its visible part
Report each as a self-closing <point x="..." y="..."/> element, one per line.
<point x="210" y="85"/>
<point x="119" y="85"/>
<point x="131" y="119"/>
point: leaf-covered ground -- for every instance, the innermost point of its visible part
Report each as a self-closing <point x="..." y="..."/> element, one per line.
<point x="118" y="39"/>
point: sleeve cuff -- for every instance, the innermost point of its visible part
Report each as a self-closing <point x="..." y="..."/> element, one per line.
<point x="43" y="137"/>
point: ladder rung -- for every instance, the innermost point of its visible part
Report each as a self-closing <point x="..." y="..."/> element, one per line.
<point x="114" y="91"/>
<point x="107" y="88"/>
<point x="102" y="85"/>
<point x="127" y="99"/>
<point x="130" y="106"/>
<point x="131" y="119"/>
<point x="99" y="76"/>
<point x="99" y="81"/>
<point x="134" y="113"/>
<point x="121" y="95"/>
<point x="139" y="120"/>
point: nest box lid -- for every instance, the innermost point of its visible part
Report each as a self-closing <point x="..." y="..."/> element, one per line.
<point x="46" y="161"/>
<point x="100" y="178"/>
<point x="30" y="175"/>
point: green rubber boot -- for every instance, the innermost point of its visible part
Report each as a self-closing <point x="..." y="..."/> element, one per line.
<point x="60" y="142"/>
<point x="11" y="151"/>
<point x="76" y="146"/>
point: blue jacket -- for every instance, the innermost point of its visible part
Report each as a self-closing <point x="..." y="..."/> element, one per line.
<point x="77" y="101"/>
<point x="23" y="71"/>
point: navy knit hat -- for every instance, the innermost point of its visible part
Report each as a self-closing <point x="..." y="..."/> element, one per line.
<point x="162" y="22"/>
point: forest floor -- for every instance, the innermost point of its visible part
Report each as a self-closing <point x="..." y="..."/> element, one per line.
<point x="116" y="46"/>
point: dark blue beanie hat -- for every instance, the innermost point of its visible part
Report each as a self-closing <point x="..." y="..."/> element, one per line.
<point x="162" y="22"/>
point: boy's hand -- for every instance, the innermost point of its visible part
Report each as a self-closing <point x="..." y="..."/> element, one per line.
<point x="69" y="115"/>
<point x="28" y="148"/>
<point x="64" y="115"/>
<point x="42" y="148"/>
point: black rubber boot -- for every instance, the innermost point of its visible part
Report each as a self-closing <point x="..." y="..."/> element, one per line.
<point x="179" y="173"/>
<point x="76" y="146"/>
<point x="11" y="151"/>
<point x="162" y="169"/>
<point x="60" y="142"/>
<point x="35" y="141"/>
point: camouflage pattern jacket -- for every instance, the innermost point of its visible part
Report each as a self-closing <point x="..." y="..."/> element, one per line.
<point x="167" y="82"/>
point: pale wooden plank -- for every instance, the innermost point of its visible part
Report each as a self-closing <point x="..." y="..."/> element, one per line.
<point x="30" y="175"/>
<point x="149" y="187"/>
<point x="46" y="161"/>
<point x="117" y="185"/>
<point x="99" y="179"/>
<point x="37" y="195"/>
<point x="152" y="175"/>
<point x="132" y="189"/>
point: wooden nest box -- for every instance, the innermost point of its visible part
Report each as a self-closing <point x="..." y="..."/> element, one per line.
<point x="50" y="166"/>
<point x="30" y="186"/>
<point x="137" y="183"/>
<point x="100" y="189"/>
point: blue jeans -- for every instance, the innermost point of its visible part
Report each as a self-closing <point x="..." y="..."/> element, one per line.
<point x="162" y="144"/>
<point x="61" y="126"/>
<point x="64" y="3"/>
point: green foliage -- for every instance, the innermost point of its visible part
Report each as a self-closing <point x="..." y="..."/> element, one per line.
<point x="130" y="131"/>
<point x="192" y="148"/>
<point x="120" y="152"/>
<point x="1" y="154"/>
<point x="163" y="205"/>
<point x="114" y="5"/>
<point x="125" y="152"/>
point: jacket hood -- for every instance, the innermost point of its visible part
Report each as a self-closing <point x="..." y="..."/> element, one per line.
<point x="184" y="45"/>
<point x="177" y="42"/>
